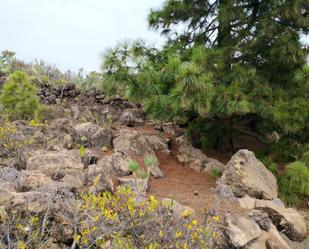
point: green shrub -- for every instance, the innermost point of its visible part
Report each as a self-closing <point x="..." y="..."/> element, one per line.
<point x="216" y="173"/>
<point x="18" y="97"/>
<point x="305" y="158"/>
<point x="11" y="142"/>
<point x="133" y="166"/>
<point x="294" y="183"/>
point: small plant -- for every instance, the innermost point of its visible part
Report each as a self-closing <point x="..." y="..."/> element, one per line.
<point x="82" y="150"/>
<point x="35" y="122"/>
<point x="216" y="172"/>
<point x="294" y="183"/>
<point x="18" y="97"/>
<point x="149" y="160"/>
<point x="133" y="166"/>
<point x="144" y="175"/>
<point x="83" y="140"/>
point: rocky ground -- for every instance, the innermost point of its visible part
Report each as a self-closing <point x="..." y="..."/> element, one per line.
<point x="114" y="132"/>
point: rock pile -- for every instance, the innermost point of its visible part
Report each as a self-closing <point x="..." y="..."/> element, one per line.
<point x="248" y="181"/>
<point x="55" y="94"/>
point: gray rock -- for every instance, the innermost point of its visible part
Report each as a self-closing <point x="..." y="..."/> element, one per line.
<point x="262" y="219"/>
<point x="194" y="158"/>
<point x="132" y="118"/>
<point x="134" y="145"/>
<point x="55" y="164"/>
<point x="274" y="240"/>
<point x="98" y="179"/>
<point x="176" y="208"/>
<point x="241" y="230"/>
<point x="92" y="135"/>
<point x="34" y="179"/>
<point x="244" y="174"/>
<point x="287" y="220"/>
<point x="137" y="185"/>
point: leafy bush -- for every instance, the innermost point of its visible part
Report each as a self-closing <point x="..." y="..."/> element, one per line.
<point x="112" y="221"/>
<point x="305" y="158"/>
<point x="23" y="230"/>
<point x="289" y="149"/>
<point x="18" y="97"/>
<point x="6" y="61"/>
<point x="11" y="142"/>
<point x="294" y="183"/>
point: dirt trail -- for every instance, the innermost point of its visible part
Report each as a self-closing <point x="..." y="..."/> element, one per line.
<point x="185" y="185"/>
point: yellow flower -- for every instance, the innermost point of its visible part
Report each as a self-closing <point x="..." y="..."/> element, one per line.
<point x="194" y="222"/>
<point x="186" y="213"/>
<point x="77" y="237"/>
<point x="20" y="226"/>
<point x="96" y="218"/>
<point x="153" y="203"/>
<point x="185" y="245"/>
<point x="161" y="233"/>
<point x="34" y="220"/>
<point x="215" y="234"/>
<point x="178" y="234"/>
<point x="215" y="218"/>
<point x="21" y="245"/>
<point x="85" y="241"/>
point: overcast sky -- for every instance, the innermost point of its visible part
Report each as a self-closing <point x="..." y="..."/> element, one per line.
<point x="72" y="33"/>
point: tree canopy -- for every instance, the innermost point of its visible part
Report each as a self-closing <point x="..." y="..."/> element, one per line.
<point x="229" y="67"/>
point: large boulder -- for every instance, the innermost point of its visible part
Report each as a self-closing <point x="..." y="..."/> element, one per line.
<point x="55" y="164"/>
<point x="244" y="174"/>
<point x="287" y="220"/>
<point x="92" y="135"/>
<point x="240" y="230"/>
<point x="134" y="145"/>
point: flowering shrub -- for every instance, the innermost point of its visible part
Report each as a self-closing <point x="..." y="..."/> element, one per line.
<point x="11" y="142"/>
<point x="22" y="230"/>
<point x="118" y="221"/>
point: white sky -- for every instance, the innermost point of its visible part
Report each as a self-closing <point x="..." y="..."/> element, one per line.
<point x="72" y="33"/>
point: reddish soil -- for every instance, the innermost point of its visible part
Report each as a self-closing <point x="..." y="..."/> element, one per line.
<point x="185" y="185"/>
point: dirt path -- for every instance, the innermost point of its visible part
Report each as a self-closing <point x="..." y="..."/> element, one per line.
<point x="185" y="185"/>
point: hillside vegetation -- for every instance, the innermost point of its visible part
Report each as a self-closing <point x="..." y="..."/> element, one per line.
<point x="231" y="75"/>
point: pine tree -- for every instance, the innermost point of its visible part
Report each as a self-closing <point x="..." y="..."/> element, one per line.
<point x="233" y="67"/>
<point x="18" y="97"/>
